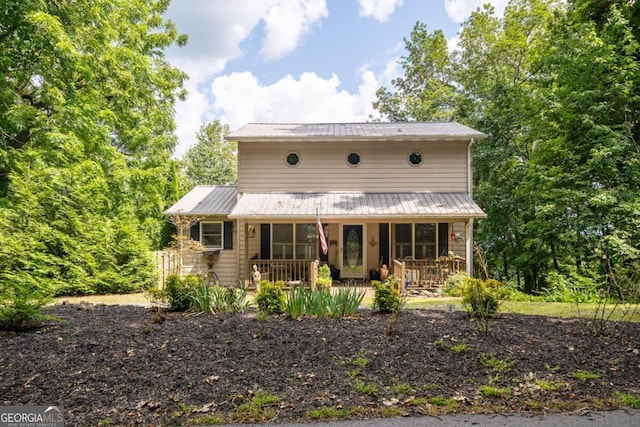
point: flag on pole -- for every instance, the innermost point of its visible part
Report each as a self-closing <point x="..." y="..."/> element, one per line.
<point x="323" y="238"/>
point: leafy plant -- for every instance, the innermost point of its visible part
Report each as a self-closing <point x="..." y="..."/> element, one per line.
<point x="481" y="299"/>
<point x="387" y="298"/>
<point x="328" y="412"/>
<point x="324" y="279"/>
<point x="177" y="291"/>
<point x="270" y="299"/>
<point x="21" y="302"/>
<point x="322" y="302"/>
<point x="218" y="299"/>
<point x="497" y="365"/>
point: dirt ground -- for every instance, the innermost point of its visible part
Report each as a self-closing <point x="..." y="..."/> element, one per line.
<point x="111" y="365"/>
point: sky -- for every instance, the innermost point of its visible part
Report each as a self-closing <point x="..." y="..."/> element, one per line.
<point x="292" y="61"/>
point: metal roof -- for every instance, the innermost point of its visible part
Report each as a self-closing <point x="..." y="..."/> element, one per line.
<point x="206" y="200"/>
<point x="373" y="130"/>
<point x="356" y="204"/>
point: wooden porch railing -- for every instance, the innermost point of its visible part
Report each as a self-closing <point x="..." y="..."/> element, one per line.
<point x="287" y="270"/>
<point x="430" y="272"/>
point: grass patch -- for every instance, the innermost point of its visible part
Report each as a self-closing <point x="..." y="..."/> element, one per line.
<point x="547" y="385"/>
<point x="368" y="389"/>
<point x="443" y="401"/>
<point x="584" y="376"/>
<point x="208" y="419"/>
<point x="499" y="366"/>
<point x="329" y="413"/>
<point x="494" y="392"/>
<point x="627" y="400"/>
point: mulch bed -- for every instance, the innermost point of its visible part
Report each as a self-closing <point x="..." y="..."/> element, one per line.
<point x="111" y="364"/>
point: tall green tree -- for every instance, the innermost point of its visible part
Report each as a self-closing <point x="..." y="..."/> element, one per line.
<point x="212" y="160"/>
<point x="86" y="131"/>
<point x="426" y="91"/>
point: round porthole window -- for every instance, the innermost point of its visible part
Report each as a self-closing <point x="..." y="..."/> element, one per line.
<point x="353" y="159"/>
<point x="415" y="158"/>
<point x="293" y="159"/>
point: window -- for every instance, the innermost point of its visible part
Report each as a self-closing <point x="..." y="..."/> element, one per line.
<point x="415" y="240"/>
<point x="293" y="159"/>
<point x="425" y="241"/>
<point x="282" y="241"/>
<point x="306" y="241"/>
<point x="353" y="158"/>
<point x="403" y="241"/>
<point x="415" y="158"/>
<point x="211" y="235"/>
<point x="294" y="241"/>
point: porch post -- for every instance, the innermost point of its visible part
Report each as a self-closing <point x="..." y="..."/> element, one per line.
<point x="469" y="245"/>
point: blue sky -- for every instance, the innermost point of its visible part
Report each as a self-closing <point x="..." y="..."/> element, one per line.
<point x="296" y="60"/>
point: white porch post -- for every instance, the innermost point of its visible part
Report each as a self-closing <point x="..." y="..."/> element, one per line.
<point x="469" y="245"/>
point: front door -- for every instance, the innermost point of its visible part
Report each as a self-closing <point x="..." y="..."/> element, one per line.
<point x="352" y="251"/>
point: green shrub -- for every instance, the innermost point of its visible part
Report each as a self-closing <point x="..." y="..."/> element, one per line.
<point x="177" y="291"/>
<point x="454" y="284"/>
<point x="324" y="279"/>
<point x="20" y="302"/>
<point x="270" y="299"/>
<point x="386" y="299"/>
<point x="481" y="298"/>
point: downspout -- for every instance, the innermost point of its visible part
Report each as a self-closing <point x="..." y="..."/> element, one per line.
<point x="469" y="224"/>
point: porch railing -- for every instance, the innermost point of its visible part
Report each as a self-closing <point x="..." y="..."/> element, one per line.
<point x="286" y="270"/>
<point x="432" y="272"/>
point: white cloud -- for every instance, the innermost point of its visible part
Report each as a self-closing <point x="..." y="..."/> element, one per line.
<point x="286" y="23"/>
<point x="380" y="10"/>
<point x="216" y="30"/>
<point x="459" y="10"/>
<point x="241" y="99"/>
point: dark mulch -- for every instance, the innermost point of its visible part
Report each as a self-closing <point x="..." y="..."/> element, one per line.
<point x="111" y="364"/>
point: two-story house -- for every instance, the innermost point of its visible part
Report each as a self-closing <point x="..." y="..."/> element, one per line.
<point x="382" y="191"/>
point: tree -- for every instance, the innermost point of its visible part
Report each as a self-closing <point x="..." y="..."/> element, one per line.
<point x="86" y="128"/>
<point x="213" y="160"/>
<point x="426" y="92"/>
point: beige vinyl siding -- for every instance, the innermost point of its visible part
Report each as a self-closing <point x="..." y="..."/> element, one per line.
<point x="226" y="263"/>
<point x="323" y="166"/>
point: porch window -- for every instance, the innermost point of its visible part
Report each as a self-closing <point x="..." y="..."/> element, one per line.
<point x="211" y="234"/>
<point x="306" y="241"/>
<point x="282" y="241"/>
<point x="425" y="238"/>
<point x="403" y="241"/>
<point x="415" y="240"/>
<point x="294" y="239"/>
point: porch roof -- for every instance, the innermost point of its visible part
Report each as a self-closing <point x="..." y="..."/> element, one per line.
<point x="350" y="204"/>
<point x="206" y="200"/>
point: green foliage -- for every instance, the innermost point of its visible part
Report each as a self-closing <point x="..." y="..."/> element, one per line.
<point x="627" y="400"/>
<point x="270" y="299"/>
<point x="454" y="284"/>
<point x="21" y="302"/>
<point x="85" y="141"/>
<point x="481" y="298"/>
<point x="324" y="279"/>
<point x="495" y="392"/>
<point x="217" y="299"/>
<point x="584" y="376"/>
<point x="212" y="160"/>
<point x="387" y="298"/>
<point x="323" y="302"/>
<point x="177" y="291"/>
<point x="327" y="412"/>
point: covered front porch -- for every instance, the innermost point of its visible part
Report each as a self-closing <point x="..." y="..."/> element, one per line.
<point x="431" y="233"/>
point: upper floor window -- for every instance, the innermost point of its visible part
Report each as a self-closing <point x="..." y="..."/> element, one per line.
<point x="353" y="158"/>
<point x="211" y="235"/>
<point x="415" y="158"/>
<point x="293" y="159"/>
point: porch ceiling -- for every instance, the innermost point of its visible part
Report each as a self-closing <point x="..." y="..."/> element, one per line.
<point x="356" y="204"/>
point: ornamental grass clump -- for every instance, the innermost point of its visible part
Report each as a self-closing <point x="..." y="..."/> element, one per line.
<point x="218" y="299"/>
<point x="322" y="302"/>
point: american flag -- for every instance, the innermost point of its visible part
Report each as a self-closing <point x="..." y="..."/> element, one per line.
<point x="323" y="239"/>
